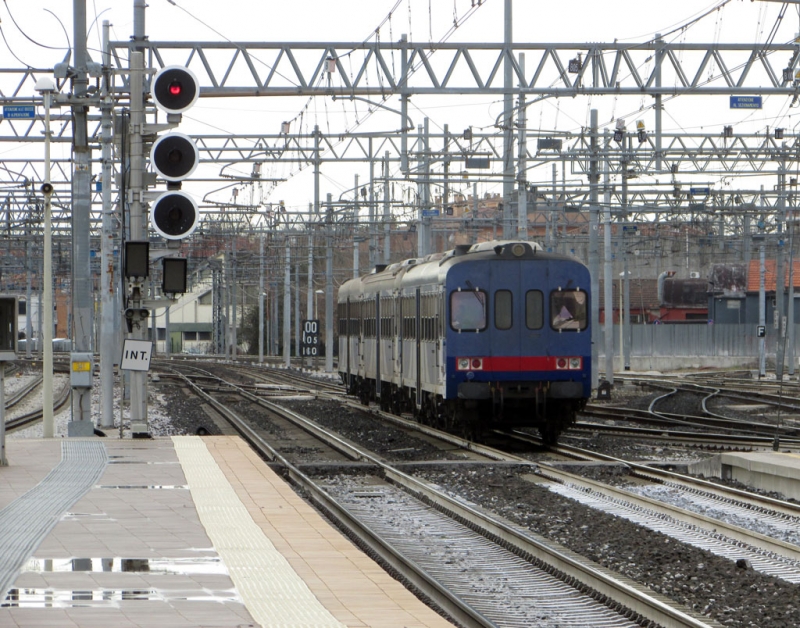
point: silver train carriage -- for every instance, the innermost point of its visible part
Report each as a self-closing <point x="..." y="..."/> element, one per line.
<point x="490" y="335"/>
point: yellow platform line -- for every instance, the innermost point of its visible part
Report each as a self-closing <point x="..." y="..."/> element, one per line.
<point x="272" y="591"/>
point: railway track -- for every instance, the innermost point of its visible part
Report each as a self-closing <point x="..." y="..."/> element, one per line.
<point x="529" y="564"/>
<point x="755" y="426"/>
<point x="766" y="532"/>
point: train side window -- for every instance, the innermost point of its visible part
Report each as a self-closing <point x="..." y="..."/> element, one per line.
<point x="568" y="310"/>
<point x="468" y="310"/>
<point x="503" y="309"/>
<point x="534" y="309"/>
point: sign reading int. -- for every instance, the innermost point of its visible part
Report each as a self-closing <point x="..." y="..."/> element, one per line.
<point x="309" y="339"/>
<point x="136" y="355"/>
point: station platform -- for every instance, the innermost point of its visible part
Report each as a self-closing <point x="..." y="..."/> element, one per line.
<point x="177" y="532"/>
<point x="769" y="471"/>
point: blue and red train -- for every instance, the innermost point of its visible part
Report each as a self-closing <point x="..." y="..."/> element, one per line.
<point x="491" y="335"/>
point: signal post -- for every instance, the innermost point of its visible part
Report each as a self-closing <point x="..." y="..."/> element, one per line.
<point x="173" y="215"/>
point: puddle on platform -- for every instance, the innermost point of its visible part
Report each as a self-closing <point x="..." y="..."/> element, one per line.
<point x="58" y="598"/>
<point x="143" y="462"/>
<point x="183" y="566"/>
<point x="144" y="486"/>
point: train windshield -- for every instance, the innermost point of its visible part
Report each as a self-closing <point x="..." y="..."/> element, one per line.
<point x="468" y="310"/>
<point x="568" y="310"/>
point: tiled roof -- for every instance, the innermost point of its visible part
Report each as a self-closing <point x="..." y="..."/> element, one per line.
<point x="770" y="277"/>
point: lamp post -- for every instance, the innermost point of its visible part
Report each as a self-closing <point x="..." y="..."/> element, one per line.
<point x="46" y="87"/>
<point x="316" y="302"/>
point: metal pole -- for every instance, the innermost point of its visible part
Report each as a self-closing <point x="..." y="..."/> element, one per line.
<point x="29" y="288"/>
<point x="522" y="184"/>
<point x="762" y="306"/>
<point x="287" y="304"/>
<point x="627" y="331"/>
<point x="48" y="428"/>
<point x="109" y="317"/>
<point x="780" y="283"/>
<point x="658" y="107"/>
<point x="422" y="227"/>
<point x="234" y="313"/>
<point x="404" y="96"/>
<point x="356" y="240"/>
<point x="594" y="253"/>
<point x="297" y="322"/>
<point x="387" y="216"/>
<point x="608" y="278"/>
<point x="373" y="237"/>
<point x="329" y="290"/>
<point x="82" y="300"/>
<point x="138" y="379"/>
<point x="261" y="299"/>
<point x="790" y="306"/>
<point x="508" y="122"/>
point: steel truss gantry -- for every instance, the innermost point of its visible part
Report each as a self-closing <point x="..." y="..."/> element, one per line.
<point x="404" y="69"/>
<point x="654" y="67"/>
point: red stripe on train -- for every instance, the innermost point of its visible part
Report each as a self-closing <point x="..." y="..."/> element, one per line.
<point x="522" y="363"/>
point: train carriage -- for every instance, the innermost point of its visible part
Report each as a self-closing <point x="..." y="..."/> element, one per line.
<point x="490" y="335"/>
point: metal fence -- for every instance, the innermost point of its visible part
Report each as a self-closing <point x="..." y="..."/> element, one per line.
<point x="695" y="340"/>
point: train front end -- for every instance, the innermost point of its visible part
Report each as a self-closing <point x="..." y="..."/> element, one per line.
<point x="518" y="341"/>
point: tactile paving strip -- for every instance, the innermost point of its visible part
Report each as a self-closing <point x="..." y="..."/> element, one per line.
<point x="26" y="521"/>
<point x="272" y="591"/>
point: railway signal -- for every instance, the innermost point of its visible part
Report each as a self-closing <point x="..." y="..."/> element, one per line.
<point x="174" y="156"/>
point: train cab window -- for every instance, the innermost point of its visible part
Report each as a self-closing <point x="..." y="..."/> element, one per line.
<point x="503" y="309"/>
<point x="568" y="310"/>
<point x="534" y="309"/>
<point x="468" y="310"/>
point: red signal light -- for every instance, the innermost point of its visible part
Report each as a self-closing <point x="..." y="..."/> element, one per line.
<point x="175" y="88"/>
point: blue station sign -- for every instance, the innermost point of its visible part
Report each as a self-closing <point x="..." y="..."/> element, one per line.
<point x="745" y="102"/>
<point x="19" y="112"/>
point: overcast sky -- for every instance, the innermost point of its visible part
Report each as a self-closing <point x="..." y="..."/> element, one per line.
<point x="33" y="34"/>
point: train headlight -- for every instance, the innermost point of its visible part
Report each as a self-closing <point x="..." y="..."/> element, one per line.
<point x="569" y="363"/>
<point x="518" y="250"/>
<point x="469" y="364"/>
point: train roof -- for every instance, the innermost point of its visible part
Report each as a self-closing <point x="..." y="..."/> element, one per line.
<point x="433" y="268"/>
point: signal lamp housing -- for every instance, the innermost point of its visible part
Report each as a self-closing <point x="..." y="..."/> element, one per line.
<point x="175" y="89"/>
<point x="174" y="215"/>
<point x="174" y="156"/>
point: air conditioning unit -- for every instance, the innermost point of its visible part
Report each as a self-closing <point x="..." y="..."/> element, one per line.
<point x="694" y="275"/>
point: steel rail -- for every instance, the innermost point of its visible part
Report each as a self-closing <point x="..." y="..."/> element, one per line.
<point x="631" y="595"/>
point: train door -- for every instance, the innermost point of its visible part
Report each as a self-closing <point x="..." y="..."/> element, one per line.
<point x="348" y="330"/>
<point x="378" y="340"/>
<point x="360" y="337"/>
<point x="418" y="346"/>
<point x="509" y="304"/>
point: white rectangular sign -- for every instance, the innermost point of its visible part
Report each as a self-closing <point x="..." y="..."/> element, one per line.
<point x="136" y="355"/>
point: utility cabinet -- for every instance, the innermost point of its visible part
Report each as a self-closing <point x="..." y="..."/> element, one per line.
<point x="8" y="328"/>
